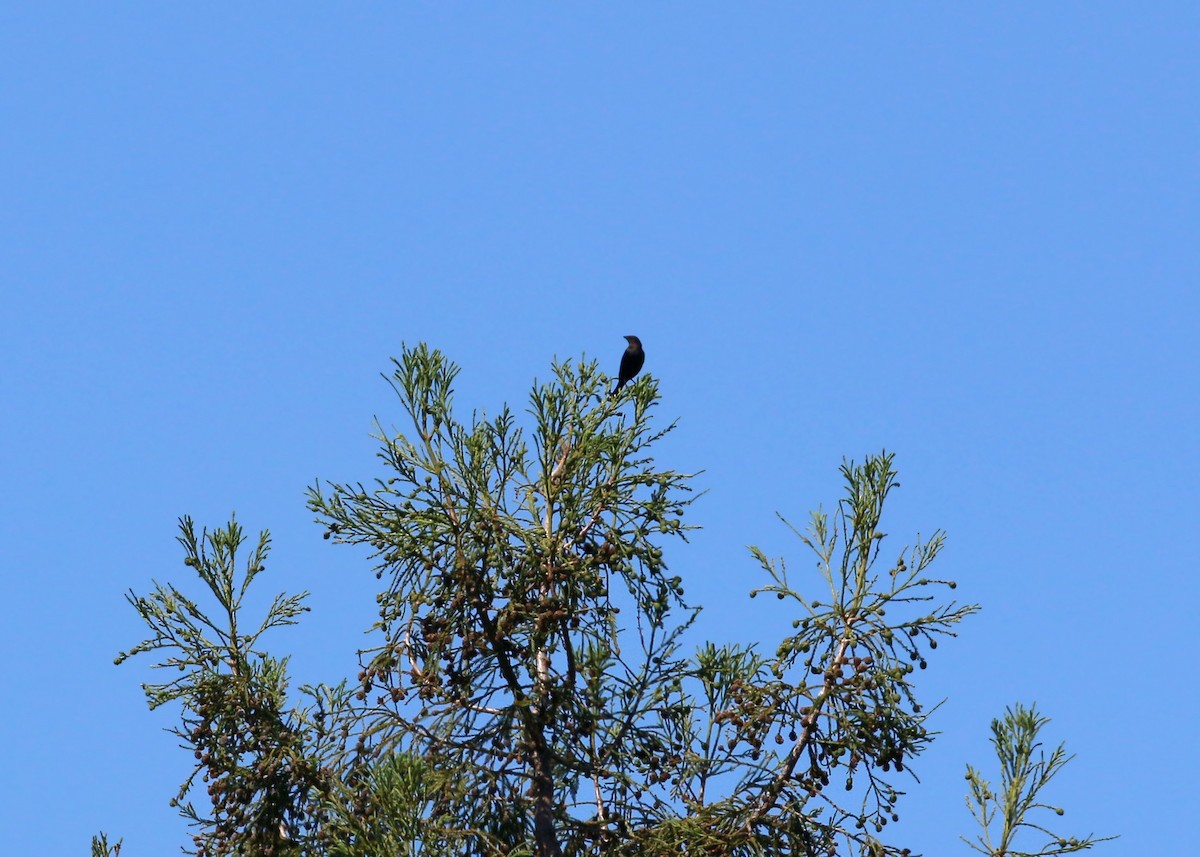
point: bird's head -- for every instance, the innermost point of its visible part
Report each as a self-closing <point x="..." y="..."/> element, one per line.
<point x="633" y="340"/>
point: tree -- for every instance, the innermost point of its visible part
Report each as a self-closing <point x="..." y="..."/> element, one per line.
<point x="258" y="758"/>
<point x="1022" y="780"/>
<point x="528" y="692"/>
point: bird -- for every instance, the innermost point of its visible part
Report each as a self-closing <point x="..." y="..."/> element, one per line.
<point x="631" y="362"/>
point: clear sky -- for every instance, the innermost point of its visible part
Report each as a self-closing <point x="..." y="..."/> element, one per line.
<point x="966" y="232"/>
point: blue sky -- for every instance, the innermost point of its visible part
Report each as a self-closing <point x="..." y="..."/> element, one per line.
<point x="963" y="232"/>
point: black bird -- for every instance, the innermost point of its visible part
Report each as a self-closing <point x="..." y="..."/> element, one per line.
<point x="631" y="362"/>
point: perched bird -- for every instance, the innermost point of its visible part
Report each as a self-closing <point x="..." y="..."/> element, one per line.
<point x="631" y="362"/>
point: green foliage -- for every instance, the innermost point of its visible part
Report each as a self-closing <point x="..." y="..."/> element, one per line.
<point x="256" y="758"/>
<point x="1003" y="814"/>
<point x="525" y="692"/>
<point x="387" y="813"/>
<point x="504" y="654"/>
<point x="101" y="848"/>
<point x="840" y="687"/>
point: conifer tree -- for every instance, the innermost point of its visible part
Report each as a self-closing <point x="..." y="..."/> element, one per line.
<point x="528" y="690"/>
